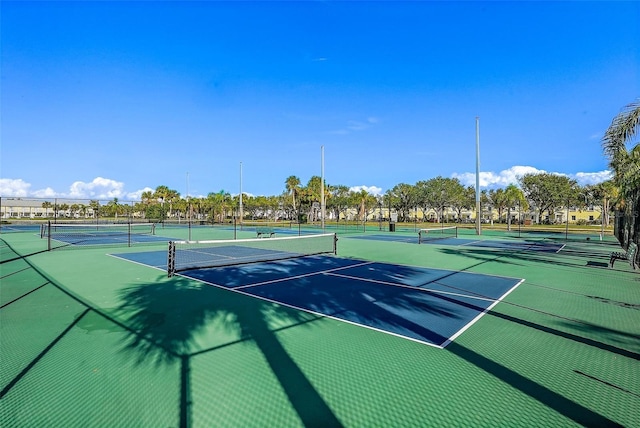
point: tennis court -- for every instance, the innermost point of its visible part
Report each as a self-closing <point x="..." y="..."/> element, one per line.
<point x="457" y="241"/>
<point x="381" y="334"/>
<point x="398" y="300"/>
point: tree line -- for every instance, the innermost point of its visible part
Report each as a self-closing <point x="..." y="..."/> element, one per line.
<point x="441" y="198"/>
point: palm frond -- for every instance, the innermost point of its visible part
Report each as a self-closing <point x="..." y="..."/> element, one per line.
<point x="624" y="127"/>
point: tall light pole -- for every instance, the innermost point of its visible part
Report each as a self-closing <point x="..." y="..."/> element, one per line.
<point x="241" y="215"/>
<point x="478" y="214"/>
<point x="322" y="202"/>
<point x="188" y="208"/>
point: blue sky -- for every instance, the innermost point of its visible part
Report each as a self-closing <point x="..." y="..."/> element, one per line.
<point x="106" y="99"/>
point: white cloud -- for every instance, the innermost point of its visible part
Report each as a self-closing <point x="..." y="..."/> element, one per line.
<point x="99" y="188"/>
<point x="587" y="178"/>
<point x="510" y="176"/>
<point x="501" y="179"/>
<point x="374" y="190"/>
<point x="45" y="193"/>
<point x="14" y="187"/>
<point x="137" y="195"/>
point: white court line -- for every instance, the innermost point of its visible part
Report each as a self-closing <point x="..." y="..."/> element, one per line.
<point x="117" y="256"/>
<point x="480" y="315"/>
<point x="471" y="243"/>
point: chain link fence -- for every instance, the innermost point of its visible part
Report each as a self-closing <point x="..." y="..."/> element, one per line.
<point x="627" y="225"/>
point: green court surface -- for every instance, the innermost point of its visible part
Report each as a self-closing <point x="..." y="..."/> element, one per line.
<point x="93" y="340"/>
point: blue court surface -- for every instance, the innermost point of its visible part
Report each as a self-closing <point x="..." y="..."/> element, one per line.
<point x="431" y="306"/>
<point x="545" y="247"/>
<point x="9" y="228"/>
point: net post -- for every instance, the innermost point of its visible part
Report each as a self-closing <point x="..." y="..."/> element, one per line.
<point x="335" y="244"/>
<point x="129" y="234"/>
<point x="456" y="231"/>
<point x="171" y="259"/>
<point x="49" y="235"/>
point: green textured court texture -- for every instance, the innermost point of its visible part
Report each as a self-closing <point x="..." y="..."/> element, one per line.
<point x="92" y="340"/>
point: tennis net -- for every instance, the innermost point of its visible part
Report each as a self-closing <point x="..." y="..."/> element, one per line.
<point x="252" y="225"/>
<point x="435" y="233"/>
<point x="94" y="233"/>
<point x="99" y="229"/>
<point x="185" y="255"/>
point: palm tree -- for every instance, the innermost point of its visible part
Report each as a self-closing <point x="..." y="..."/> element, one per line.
<point x="314" y="196"/>
<point x="46" y="205"/>
<point x="292" y="184"/>
<point x="65" y="209"/>
<point x="624" y="160"/>
<point x="605" y="192"/>
<point x="95" y="207"/>
<point x="514" y="196"/>
<point x="75" y="208"/>
<point x="365" y="201"/>
<point x="164" y="194"/>
<point x="147" y="197"/>
<point x="112" y="206"/>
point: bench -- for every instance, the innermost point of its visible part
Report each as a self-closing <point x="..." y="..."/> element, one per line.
<point x="629" y="255"/>
<point x="264" y="231"/>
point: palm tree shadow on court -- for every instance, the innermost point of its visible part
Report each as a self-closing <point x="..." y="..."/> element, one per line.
<point x="166" y="318"/>
<point x="373" y="302"/>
